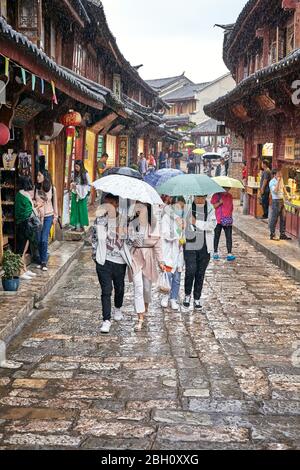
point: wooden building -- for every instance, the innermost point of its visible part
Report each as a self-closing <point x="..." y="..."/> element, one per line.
<point x="262" y="51"/>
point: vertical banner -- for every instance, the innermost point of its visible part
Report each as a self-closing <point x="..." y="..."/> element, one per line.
<point x="33" y="80"/>
<point x="123" y="150"/>
<point x="54" y="97"/>
<point x="23" y="75"/>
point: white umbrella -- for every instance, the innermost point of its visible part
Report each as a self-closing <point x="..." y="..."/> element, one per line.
<point x="128" y="188"/>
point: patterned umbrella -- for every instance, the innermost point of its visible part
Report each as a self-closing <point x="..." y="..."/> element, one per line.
<point x="159" y="177"/>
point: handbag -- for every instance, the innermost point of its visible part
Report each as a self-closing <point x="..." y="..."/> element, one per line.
<point x="164" y="283"/>
<point x="34" y="222"/>
<point x="226" y="221"/>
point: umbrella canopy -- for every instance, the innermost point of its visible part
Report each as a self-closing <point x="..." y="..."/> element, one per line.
<point x="189" y="144"/>
<point x="135" y="189"/>
<point x="190" y="185"/>
<point x="124" y="170"/>
<point x="212" y="156"/>
<point x="159" y="177"/>
<point x="199" y="152"/>
<point x="227" y="182"/>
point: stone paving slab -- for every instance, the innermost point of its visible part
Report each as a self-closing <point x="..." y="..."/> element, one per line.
<point x="15" y="308"/>
<point x="226" y="378"/>
<point x="285" y="254"/>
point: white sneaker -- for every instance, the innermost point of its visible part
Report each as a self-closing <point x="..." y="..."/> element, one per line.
<point x="44" y="267"/>
<point x="165" y="301"/>
<point x="106" y="326"/>
<point x="30" y="273"/>
<point x="26" y="277"/>
<point x="118" y="315"/>
<point x="174" y="305"/>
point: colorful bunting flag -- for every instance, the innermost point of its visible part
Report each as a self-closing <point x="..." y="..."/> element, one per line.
<point x="23" y="75"/>
<point x="33" y="82"/>
<point x="6" y="67"/>
<point x="54" y="98"/>
<point x="42" y="86"/>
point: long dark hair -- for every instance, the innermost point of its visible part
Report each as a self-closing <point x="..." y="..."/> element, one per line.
<point x="82" y="173"/>
<point x="25" y="183"/>
<point x="46" y="185"/>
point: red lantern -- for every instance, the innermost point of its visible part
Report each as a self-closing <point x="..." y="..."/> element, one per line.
<point x="72" y="118"/>
<point x="70" y="131"/>
<point x="4" y="134"/>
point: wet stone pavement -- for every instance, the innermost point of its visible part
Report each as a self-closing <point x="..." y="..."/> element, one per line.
<point x="228" y="378"/>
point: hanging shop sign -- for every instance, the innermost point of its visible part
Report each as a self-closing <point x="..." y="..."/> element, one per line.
<point x="100" y="146"/>
<point x="289" y="151"/>
<point x="72" y="118"/>
<point x="267" y="150"/>
<point x="123" y="150"/>
<point x="237" y="156"/>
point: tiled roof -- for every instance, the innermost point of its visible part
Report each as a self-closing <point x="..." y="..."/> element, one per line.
<point x="159" y="83"/>
<point x="206" y="127"/>
<point x="7" y="32"/>
<point x="218" y="109"/>
<point x="186" y="92"/>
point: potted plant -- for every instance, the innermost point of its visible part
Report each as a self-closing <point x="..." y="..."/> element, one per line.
<point x="11" y="266"/>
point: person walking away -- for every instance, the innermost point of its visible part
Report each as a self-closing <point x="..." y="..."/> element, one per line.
<point x="279" y="192"/>
<point x="172" y="230"/>
<point x="223" y="204"/>
<point x="162" y="161"/>
<point x="265" y="188"/>
<point x="80" y="187"/>
<point x="143" y="165"/>
<point x="27" y="222"/>
<point x="102" y="164"/>
<point x="244" y="181"/>
<point x="221" y="168"/>
<point x="147" y="259"/>
<point x="177" y="161"/>
<point x="191" y="166"/>
<point x="46" y="198"/>
<point x="200" y="226"/>
<point x="112" y="256"/>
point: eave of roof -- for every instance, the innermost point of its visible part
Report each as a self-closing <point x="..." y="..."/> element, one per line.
<point x="249" y="84"/>
<point x="9" y="34"/>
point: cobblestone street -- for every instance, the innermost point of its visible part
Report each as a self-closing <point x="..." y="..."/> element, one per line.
<point x="228" y="378"/>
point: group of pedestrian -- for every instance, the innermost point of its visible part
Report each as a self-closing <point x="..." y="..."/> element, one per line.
<point x="36" y="212"/>
<point x="146" y="164"/>
<point x="152" y="245"/>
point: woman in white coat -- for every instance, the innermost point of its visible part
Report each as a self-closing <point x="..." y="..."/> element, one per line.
<point x="172" y="232"/>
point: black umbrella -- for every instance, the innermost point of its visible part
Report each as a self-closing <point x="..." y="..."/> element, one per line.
<point x="124" y="171"/>
<point x="212" y="156"/>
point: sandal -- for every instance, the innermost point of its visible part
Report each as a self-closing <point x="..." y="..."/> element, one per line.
<point x="139" y="325"/>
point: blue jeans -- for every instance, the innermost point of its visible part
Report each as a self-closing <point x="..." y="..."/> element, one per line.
<point x="175" y="279"/>
<point x="44" y="238"/>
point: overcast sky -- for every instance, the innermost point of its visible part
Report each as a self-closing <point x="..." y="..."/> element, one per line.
<point x="172" y="36"/>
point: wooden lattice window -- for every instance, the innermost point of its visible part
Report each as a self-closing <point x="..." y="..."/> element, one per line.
<point x="27" y="14"/>
<point x="79" y="59"/>
<point x="290" y="38"/>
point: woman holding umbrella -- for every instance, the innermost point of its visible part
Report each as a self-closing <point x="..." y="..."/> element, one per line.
<point x="146" y="259"/>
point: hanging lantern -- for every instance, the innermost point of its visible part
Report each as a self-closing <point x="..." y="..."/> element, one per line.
<point x="4" y="134"/>
<point x="72" y="118"/>
<point x="70" y="131"/>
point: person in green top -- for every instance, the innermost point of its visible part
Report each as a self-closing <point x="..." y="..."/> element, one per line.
<point x="26" y="232"/>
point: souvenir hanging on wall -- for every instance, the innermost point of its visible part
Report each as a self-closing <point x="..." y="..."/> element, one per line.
<point x="9" y="159"/>
<point x="24" y="164"/>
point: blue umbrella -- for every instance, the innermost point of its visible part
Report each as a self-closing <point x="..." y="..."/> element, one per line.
<point x="157" y="178"/>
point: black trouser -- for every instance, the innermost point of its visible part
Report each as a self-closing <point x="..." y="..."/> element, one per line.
<point x="111" y="275"/>
<point x="196" y="263"/>
<point x="228" y="235"/>
<point x="278" y="212"/>
<point x="265" y="202"/>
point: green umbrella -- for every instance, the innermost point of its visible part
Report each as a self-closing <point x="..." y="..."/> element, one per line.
<point x="190" y="185"/>
<point x="227" y="182"/>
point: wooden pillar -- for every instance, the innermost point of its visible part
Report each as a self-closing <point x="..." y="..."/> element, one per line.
<point x="1" y="232"/>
